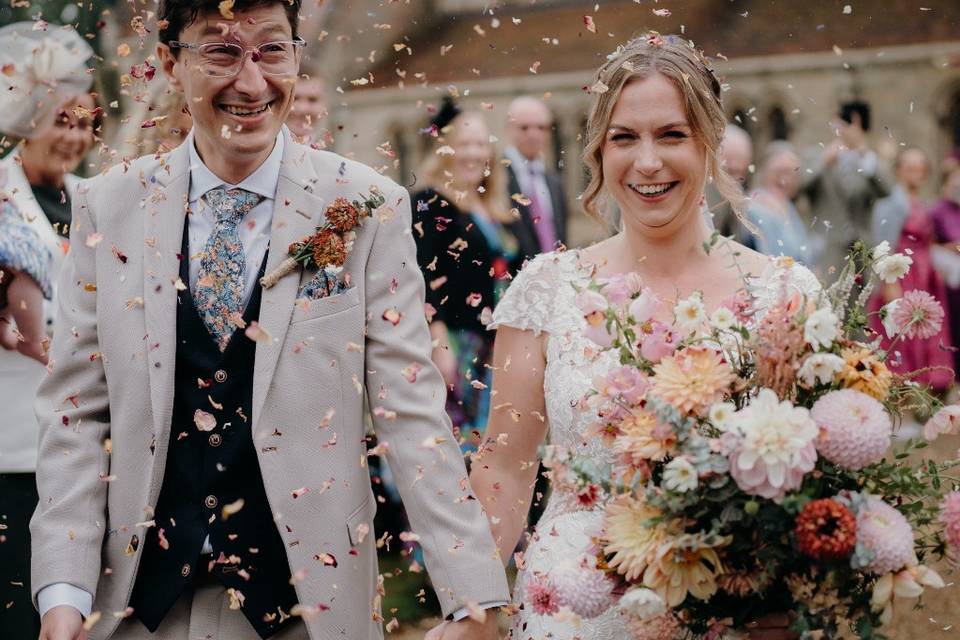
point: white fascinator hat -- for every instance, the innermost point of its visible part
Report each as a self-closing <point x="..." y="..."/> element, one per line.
<point x="41" y="67"/>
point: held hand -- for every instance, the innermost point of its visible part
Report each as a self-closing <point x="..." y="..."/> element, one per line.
<point x="62" y="623"/>
<point x="437" y="632"/>
<point x="468" y="629"/>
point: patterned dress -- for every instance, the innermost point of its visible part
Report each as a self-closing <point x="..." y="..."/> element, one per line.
<point x="541" y="299"/>
<point x="21" y="249"/>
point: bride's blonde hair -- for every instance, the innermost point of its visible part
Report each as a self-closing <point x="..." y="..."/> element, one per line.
<point x="678" y="60"/>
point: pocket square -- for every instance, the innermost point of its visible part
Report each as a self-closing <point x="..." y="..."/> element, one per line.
<point x="322" y="285"/>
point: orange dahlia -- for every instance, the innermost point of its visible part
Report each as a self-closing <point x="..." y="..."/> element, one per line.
<point x="630" y="536"/>
<point x="642" y="438"/>
<point x="826" y="530"/>
<point x="687" y="564"/>
<point x="692" y="380"/>
<point x="864" y="371"/>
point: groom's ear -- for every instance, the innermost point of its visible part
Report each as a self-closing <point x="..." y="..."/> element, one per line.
<point x="168" y="65"/>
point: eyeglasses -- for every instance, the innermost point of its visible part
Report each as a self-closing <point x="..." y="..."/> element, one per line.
<point x="225" y="59"/>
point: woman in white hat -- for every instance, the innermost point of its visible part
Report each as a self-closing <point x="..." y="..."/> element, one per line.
<point x="45" y="102"/>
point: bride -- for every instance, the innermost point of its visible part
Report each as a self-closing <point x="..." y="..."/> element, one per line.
<point x="652" y="140"/>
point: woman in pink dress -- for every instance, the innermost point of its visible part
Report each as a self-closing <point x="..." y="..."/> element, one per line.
<point x="916" y="239"/>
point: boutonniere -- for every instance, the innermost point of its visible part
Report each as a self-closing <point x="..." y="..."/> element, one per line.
<point x="328" y="246"/>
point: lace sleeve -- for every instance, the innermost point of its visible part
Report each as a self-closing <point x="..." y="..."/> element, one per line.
<point x="529" y="301"/>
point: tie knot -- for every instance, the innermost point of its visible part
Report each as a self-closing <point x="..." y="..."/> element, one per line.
<point x="231" y="205"/>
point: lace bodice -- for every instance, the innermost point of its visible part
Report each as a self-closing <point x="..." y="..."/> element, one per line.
<point x="541" y="299"/>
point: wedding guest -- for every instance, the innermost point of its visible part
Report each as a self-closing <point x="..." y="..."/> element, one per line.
<point x="55" y="120"/>
<point x="916" y="239"/>
<point x="842" y="183"/>
<point x="736" y="155"/>
<point x="467" y="249"/>
<point x="309" y="107"/>
<point x="945" y="215"/>
<point x="201" y="470"/>
<point x="911" y="171"/>
<point x="771" y="208"/>
<point x="536" y="190"/>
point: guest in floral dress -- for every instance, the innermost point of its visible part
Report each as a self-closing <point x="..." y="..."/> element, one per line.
<point x="467" y="250"/>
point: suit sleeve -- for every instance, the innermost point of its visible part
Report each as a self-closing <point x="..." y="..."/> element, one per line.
<point x="72" y="406"/>
<point x="407" y="396"/>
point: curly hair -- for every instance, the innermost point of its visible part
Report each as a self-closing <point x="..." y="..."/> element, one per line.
<point x="679" y="61"/>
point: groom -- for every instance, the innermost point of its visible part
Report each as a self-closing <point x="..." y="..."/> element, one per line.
<point x="202" y="463"/>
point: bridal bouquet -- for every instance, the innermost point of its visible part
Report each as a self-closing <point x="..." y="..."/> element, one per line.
<point x="752" y="467"/>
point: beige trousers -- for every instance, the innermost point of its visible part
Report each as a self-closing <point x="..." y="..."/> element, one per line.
<point x="204" y="613"/>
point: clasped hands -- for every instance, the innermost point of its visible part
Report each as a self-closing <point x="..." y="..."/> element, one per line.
<point x="466" y="629"/>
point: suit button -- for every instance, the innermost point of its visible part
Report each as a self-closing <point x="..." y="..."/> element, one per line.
<point x="220" y="375"/>
<point x="215" y="439"/>
<point x="210" y="501"/>
<point x="185" y="570"/>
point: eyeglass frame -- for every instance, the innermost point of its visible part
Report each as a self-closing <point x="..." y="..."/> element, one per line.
<point x="297" y="42"/>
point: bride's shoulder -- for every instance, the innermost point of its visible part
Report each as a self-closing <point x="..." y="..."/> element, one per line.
<point x="541" y="292"/>
<point x="548" y="267"/>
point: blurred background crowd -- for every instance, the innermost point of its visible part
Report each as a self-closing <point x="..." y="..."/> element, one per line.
<point x="844" y="126"/>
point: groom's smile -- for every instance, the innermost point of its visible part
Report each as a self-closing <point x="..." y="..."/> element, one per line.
<point x="236" y="90"/>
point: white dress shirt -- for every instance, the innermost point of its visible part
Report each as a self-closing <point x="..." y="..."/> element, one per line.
<point x="254" y="233"/>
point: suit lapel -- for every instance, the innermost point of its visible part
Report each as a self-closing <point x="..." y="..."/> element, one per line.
<point x="163" y="235"/>
<point x="296" y="213"/>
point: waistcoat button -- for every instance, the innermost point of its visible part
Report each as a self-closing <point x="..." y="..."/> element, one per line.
<point x="210" y="501"/>
<point x="215" y="439"/>
<point x="220" y="375"/>
<point x="185" y="570"/>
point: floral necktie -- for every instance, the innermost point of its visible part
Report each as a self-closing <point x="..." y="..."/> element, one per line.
<point x="218" y="294"/>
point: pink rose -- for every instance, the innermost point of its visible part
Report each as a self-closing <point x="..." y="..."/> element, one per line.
<point x="621" y="287"/>
<point x="946" y="421"/>
<point x="626" y="382"/>
<point x="659" y="343"/>
<point x="591" y="302"/>
<point x="645" y="306"/>
<point x="597" y="331"/>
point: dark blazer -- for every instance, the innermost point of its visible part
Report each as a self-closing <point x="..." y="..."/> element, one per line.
<point x="527" y="232"/>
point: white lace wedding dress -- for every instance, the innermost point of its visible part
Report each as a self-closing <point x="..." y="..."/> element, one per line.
<point x="541" y="299"/>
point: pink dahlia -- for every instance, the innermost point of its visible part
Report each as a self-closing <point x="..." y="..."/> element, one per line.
<point x="918" y="314"/>
<point x="662" y="627"/>
<point x="855" y="429"/>
<point x="885" y="533"/>
<point x="583" y="589"/>
<point x="543" y="597"/>
<point x="774" y="447"/>
<point x="950" y="519"/>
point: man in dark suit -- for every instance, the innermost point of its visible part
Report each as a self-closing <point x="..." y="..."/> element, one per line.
<point x="535" y="190"/>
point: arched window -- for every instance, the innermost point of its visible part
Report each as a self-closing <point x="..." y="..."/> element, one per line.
<point x="778" y="127"/>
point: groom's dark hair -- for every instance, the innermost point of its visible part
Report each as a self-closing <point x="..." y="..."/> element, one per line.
<point x="177" y="15"/>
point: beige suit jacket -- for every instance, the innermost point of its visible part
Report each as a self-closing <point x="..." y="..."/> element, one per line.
<point x="105" y="410"/>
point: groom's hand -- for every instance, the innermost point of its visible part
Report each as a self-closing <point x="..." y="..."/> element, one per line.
<point x="62" y="623"/>
<point x="466" y="629"/>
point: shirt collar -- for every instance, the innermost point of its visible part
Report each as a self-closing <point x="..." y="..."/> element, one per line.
<point x="263" y="181"/>
<point x="521" y="164"/>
